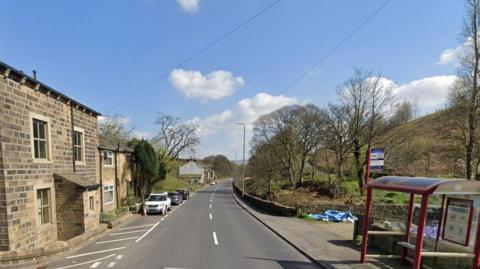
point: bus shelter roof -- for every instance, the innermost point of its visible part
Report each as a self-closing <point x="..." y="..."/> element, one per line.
<point x="424" y="185"/>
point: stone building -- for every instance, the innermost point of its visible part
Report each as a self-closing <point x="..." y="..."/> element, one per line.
<point x="195" y="173"/>
<point x="115" y="165"/>
<point x="48" y="165"/>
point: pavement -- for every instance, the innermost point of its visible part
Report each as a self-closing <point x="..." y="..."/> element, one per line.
<point x="328" y="244"/>
<point x="210" y="230"/>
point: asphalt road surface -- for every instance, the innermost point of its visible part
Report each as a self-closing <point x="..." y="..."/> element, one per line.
<point x="208" y="231"/>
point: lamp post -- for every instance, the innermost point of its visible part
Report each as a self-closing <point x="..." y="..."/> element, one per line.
<point x="243" y="161"/>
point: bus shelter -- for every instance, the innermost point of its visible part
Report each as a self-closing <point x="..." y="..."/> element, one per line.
<point x="460" y="199"/>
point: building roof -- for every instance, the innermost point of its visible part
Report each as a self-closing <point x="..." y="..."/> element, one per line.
<point x="77" y="179"/>
<point x="424" y="185"/>
<point x="110" y="144"/>
<point x="21" y="77"/>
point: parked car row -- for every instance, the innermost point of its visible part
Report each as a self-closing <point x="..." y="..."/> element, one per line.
<point x="161" y="203"/>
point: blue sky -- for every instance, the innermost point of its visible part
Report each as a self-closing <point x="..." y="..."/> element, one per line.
<point x="101" y="52"/>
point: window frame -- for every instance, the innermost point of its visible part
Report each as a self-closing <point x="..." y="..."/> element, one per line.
<point x="106" y="151"/>
<point x="91" y="203"/>
<point x="48" y="138"/>
<point x="82" y="145"/>
<point x="110" y="188"/>
<point x="40" y="207"/>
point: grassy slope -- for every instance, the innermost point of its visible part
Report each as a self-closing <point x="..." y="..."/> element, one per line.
<point x="171" y="184"/>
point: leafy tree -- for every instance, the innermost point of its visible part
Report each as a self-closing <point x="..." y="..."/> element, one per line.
<point x="146" y="168"/>
<point x="220" y="164"/>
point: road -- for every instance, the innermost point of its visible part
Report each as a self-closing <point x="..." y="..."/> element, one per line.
<point x="208" y="231"/>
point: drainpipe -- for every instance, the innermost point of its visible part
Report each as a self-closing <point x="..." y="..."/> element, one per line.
<point x="72" y="125"/>
<point x="117" y="185"/>
<point x="101" y="179"/>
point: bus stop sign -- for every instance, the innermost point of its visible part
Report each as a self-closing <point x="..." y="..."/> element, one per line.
<point x="377" y="159"/>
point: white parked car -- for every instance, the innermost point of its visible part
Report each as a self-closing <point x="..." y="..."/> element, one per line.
<point x="158" y="203"/>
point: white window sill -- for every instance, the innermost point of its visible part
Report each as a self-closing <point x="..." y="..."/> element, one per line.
<point x="35" y="160"/>
<point x="80" y="163"/>
<point x="109" y="203"/>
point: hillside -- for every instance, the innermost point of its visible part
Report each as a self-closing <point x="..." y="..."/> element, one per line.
<point x="424" y="147"/>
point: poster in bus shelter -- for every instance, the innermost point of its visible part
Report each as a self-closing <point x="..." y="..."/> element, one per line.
<point x="458" y="221"/>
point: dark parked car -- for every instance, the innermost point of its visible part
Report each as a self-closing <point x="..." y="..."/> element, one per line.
<point x="185" y="194"/>
<point x="175" y="197"/>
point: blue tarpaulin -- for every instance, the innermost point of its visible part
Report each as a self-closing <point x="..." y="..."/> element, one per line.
<point x="334" y="216"/>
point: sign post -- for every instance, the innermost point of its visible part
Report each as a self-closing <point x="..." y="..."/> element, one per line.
<point x="375" y="162"/>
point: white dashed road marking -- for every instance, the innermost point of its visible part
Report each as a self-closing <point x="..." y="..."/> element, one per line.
<point x="210" y="206"/>
<point x="116" y="240"/>
<point x="95" y="252"/>
<point x="95" y="264"/>
<point x="215" y="238"/>
<point x="210" y="215"/>
<point x="119" y="257"/>
<point x="83" y="263"/>
<point x="111" y="265"/>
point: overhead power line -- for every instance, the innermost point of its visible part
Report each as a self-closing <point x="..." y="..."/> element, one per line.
<point x="194" y="55"/>
<point x="337" y="46"/>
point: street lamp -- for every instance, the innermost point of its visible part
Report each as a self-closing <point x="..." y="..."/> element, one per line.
<point x="243" y="161"/>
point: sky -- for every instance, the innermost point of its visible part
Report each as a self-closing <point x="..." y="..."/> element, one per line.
<point x="134" y="58"/>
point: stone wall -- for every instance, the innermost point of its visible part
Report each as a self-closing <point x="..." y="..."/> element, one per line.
<point x="91" y="217"/>
<point x="267" y="206"/>
<point x="22" y="175"/>
<point x="4" y="243"/>
<point x="70" y="206"/>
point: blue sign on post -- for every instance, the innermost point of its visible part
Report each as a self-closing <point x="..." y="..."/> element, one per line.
<point x="377" y="159"/>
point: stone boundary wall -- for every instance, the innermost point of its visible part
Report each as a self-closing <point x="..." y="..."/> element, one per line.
<point x="267" y="206"/>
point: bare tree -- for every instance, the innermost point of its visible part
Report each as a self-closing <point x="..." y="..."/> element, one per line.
<point x="404" y="112"/>
<point x="278" y="129"/>
<point x="265" y="166"/>
<point x="465" y="93"/>
<point x="339" y="140"/>
<point x="174" y="136"/>
<point x="366" y="100"/>
<point x="312" y="128"/>
<point x="115" y="128"/>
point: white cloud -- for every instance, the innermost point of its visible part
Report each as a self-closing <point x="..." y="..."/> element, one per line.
<point x="141" y="134"/>
<point x="219" y="134"/>
<point x="213" y="86"/>
<point x="121" y="119"/>
<point x="190" y="6"/>
<point x="428" y="93"/>
<point x="452" y="55"/>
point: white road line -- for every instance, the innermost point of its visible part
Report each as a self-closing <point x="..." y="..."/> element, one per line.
<point x="116" y="240"/>
<point x="95" y="265"/>
<point x="130" y="232"/>
<point x="83" y="263"/>
<point x="215" y="238"/>
<point x="111" y="265"/>
<point x="210" y="215"/>
<point x="135" y="227"/>
<point x="147" y="232"/>
<point x="95" y="252"/>
<point x="119" y="257"/>
<point x="210" y="206"/>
